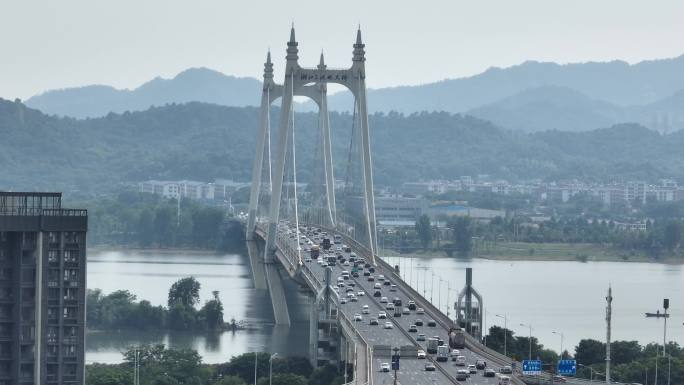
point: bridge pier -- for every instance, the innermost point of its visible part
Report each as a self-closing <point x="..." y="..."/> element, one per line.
<point x="257" y="263"/>
<point x="275" y="288"/>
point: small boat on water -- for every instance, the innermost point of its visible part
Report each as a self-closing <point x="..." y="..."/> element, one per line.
<point x="658" y="314"/>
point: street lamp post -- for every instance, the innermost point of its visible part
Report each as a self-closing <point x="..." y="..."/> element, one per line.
<point x="505" y="318"/>
<point x="448" y="303"/>
<point x="256" y="355"/>
<point x="530" y="327"/>
<point x="270" y="368"/>
<point x="439" y="293"/>
<point x="432" y="286"/>
<point x="561" y="346"/>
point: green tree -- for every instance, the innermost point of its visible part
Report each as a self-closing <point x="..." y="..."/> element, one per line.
<point x="323" y="375"/>
<point x="590" y="351"/>
<point x="424" y="230"/>
<point x="230" y="380"/>
<point x="284" y="379"/>
<point x="103" y="374"/>
<point x="212" y="312"/>
<point x="185" y="291"/>
<point x="673" y="235"/>
<point x="146" y="228"/>
<point x="462" y="229"/>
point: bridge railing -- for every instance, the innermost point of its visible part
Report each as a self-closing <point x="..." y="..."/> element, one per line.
<point x="291" y="256"/>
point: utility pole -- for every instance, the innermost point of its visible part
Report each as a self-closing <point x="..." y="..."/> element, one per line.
<point x="609" y="309"/>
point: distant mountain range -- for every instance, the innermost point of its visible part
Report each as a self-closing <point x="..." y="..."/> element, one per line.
<point x="532" y="96"/>
<point x="195" y="84"/>
<point x="565" y="109"/>
<point x="205" y="141"/>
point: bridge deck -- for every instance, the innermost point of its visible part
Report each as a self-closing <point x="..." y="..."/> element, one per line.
<point x="412" y="369"/>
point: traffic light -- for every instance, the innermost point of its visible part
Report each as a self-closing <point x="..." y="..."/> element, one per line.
<point x="666" y="303"/>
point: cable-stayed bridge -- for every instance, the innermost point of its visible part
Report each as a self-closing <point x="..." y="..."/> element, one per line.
<point x="322" y="233"/>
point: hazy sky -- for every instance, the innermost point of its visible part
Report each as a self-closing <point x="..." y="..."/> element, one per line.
<point x="63" y="43"/>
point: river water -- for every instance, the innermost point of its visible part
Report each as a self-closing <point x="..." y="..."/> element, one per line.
<point x="568" y="297"/>
<point x="563" y="296"/>
<point x="149" y="276"/>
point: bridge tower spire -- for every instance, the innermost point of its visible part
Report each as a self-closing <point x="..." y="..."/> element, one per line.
<point x="359" y="73"/>
<point x="311" y="83"/>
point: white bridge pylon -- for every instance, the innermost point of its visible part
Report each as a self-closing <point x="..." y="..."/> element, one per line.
<point x="311" y="83"/>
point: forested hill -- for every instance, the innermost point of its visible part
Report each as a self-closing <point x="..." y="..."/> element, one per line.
<point x="204" y="141"/>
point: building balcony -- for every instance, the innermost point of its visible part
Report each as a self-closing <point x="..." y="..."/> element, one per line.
<point x="70" y="340"/>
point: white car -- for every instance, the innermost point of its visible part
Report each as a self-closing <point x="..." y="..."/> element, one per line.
<point x="420" y="310"/>
<point x="360" y="294"/>
<point x="343" y="301"/>
<point x="385" y="367"/>
<point x="388" y="325"/>
<point x="460" y="361"/>
<point x="455" y="353"/>
<point x="382" y="315"/>
<point x="381" y="277"/>
<point x="357" y="317"/>
<point x="365" y="310"/>
<point x="393" y="287"/>
<point x="421" y="353"/>
<point x="383" y="300"/>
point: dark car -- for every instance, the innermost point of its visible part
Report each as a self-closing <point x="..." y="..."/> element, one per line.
<point x="367" y="265"/>
<point x="371" y="269"/>
<point x="366" y="273"/>
<point x="411" y="305"/>
<point x="431" y="323"/>
<point x="430" y="367"/>
<point x="377" y="293"/>
<point x="371" y="278"/>
<point x="480" y="364"/>
<point x="355" y="274"/>
<point x="489" y="373"/>
<point x="397" y="302"/>
<point x="387" y="283"/>
<point x="373" y="321"/>
<point x="419" y="322"/>
<point x="397" y="312"/>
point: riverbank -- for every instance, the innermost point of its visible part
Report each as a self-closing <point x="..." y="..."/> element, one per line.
<point x="521" y="251"/>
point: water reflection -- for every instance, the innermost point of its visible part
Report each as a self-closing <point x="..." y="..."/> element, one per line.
<point x="149" y="276"/>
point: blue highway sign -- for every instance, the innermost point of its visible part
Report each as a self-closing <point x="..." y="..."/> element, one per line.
<point x="531" y="367"/>
<point x="567" y="367"/>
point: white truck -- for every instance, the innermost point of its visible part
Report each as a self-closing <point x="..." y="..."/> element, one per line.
<point x="442" y="353"/>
